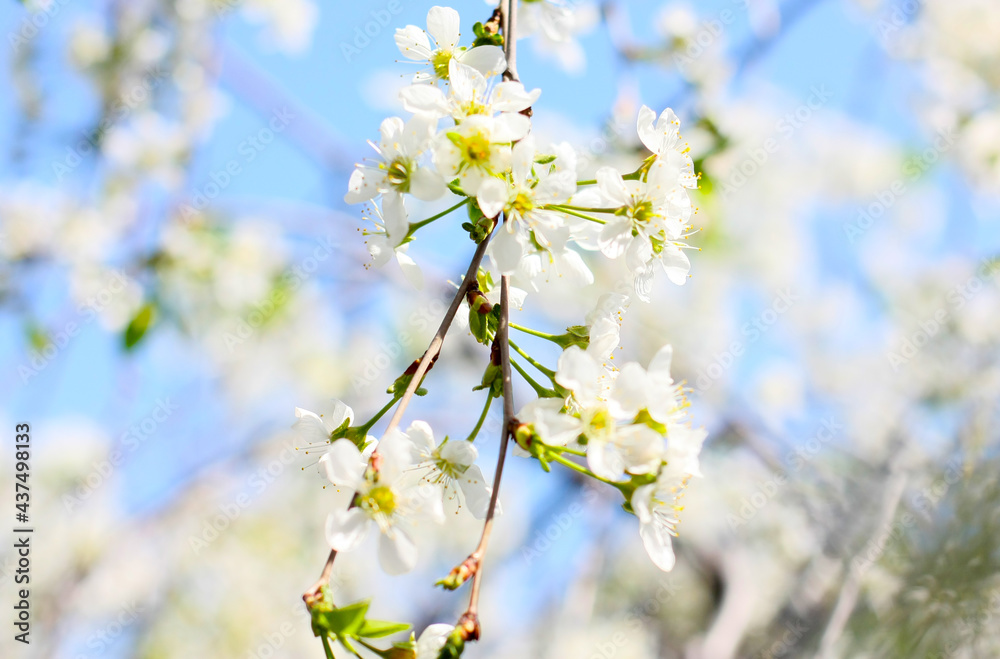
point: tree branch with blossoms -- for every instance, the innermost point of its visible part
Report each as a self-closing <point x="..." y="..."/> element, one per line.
<point x="530" y="213"/>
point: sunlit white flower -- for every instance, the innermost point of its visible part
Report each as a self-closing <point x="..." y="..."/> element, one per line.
<point x="652" y="218"/>
<point x="387" y="239"/>
<point x="443" y="25"/>
<point x="478" y="148"/>
<point x="555" y="26"/>
<point x="450" y="464"/>
<point x="651" y="389"/>
<point x="384" y="498"/>
<point x="605" y="322"/>
<point x="522" y="197"/>
<point x="398" y="167"/>
<point x="663" y="138"/>
<point x="657" y="506"/>
<point x="471" y="93"/>
<point x="318" y="427"/>
<point x="613" y="449"/>
<point x="551" y="260"/>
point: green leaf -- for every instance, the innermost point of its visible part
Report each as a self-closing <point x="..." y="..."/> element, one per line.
<point x="343" y="621"/>
<point x="380" y="628"/>
<point x="139" y="325"/>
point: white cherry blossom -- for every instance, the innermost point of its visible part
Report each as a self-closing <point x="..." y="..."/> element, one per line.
<point x="451" y="465"/>
<point x="443" y="26"/>
<point x="398" y="167"/>
<point x="384" y="498"/>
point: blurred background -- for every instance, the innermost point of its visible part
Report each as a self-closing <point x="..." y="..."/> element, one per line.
<point x="178" y="271"/>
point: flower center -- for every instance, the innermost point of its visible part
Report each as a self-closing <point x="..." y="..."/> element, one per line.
<point x="398" y="173"/>
<point x="477" y="150"/>
<point x="598" y="423"/>
<point x="522" y="204"/>
<point x="379" y="499"/>
<point x="440" y="60"/>
<point x="642" y="212"/>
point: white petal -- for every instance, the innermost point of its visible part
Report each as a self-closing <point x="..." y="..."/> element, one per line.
<point x="422" y="437"/>
<point x="522" y="157"/>
<point x="477" y="492"/>
<point x="657" y="541"/>
<point x="426" y="184"/>
<point x="488" y="60"/>
<point x="512" y="97"/>
<point x="605" y="460"/>
<point x="361" y="187"/>
<point x="347" y="529"/>
<point x="381" y="249"/>
<point x="413" y="43"/>
<point x="610" y="182"/>
<point x="432" y="640"/>
<point x="310" y="427"/>
<point x="644" y="124"/>
<point x="459" y="452"/>
<point x="344" y="464"/>
<point x="507" y="251"/>
<point x="675" y="263"/>
<point x="410" y="269"/>
<point x="630" y="390"/>
<point x="492" y="196"/>
<point x="397" y="455"/>
<point x="467" y="84"/>
<point x="443" y="24"/>
<point x="396" y="552"/>
<point x="424" y="98"/>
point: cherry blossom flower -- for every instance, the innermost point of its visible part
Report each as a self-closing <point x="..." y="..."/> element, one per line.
<point x="657" y="505"/>
<point x="398" y="168"/>
<point x="443" y="25"/>
<point x="384" y="498"/>
<point x="387" y="240"/>
<point x="522" y="198"/>
<point x="471" y="94"/>
<point x="450" y="464"/>
<point x="478" y="148"/>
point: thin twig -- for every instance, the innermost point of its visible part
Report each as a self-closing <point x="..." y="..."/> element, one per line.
<point x="477" y="556"/>
<point x="434" y="348"/>
<point x="423" y="365"/>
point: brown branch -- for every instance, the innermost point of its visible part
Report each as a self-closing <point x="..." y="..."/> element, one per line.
<point x="423" y="364"/>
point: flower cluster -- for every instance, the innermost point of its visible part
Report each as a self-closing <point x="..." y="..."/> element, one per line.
<point x="470" y="135"/>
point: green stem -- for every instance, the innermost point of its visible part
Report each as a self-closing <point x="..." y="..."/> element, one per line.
<point x="547" y="371"/>
<point x="482" y="417"/>
<point x="378" y="415"/>
<point x="568" y="211"/>
<point x="541" y="391"/>
<point x="416" y="225"/>
<point x="528" y="330"/>
<point x="571" y="451"/>
<point x="588" y="209"/>
<point x="556" y="457"/>
<point x="632" y="176"/>
<point x="326" y="647"/>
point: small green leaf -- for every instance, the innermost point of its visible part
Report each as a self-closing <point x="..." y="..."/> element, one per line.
<point x="343" y="621"/>
<point x="139" y="325"/>
<point x="380" y="628"/>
